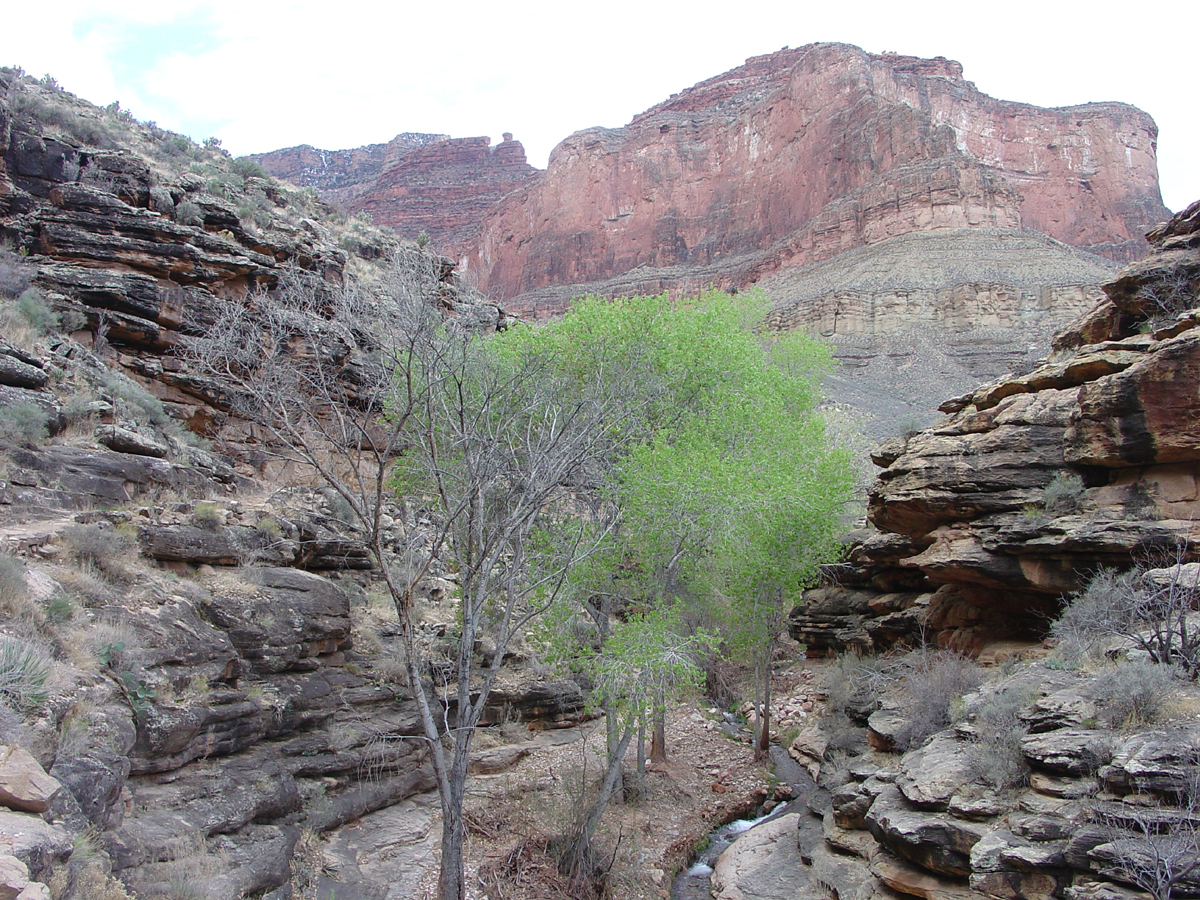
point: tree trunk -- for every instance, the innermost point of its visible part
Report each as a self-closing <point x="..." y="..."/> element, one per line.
<point x="764" y="718"/>
<point x="613" y="736"/>
<point x="451" y="880"/>
<point x="658" y="739"/>
<point x="641" y="762"/>
<point x="577" y="851"/>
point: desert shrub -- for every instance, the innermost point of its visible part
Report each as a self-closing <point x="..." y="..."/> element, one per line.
<point x="995" y="756"/>
<point x="15" y="274"/>
<point x="189" y="213"/>
<point x="207" y="516"/>
<point x="423" y="238"/>
<point x="1167" y="296"/>
<point x="1063" y="493"/>
<point x="24" y="669"/>
<point x="1152" y="607"/>
<point x="16" y="605"/>
<point x="23" y="423"/>
<point x="931" y="680"/>
<point x="1133" y="692"/>
<point x="138" y="401"/>
<point x="909" y="426"/>
<point x="247" y="168"/>
<point x="36" y="312"/>
<point x="177" y="145"/>
<point x="98" y="543"/>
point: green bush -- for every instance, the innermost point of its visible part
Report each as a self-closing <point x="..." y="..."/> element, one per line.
<point x="208" y="516"/>
<point x="247" y="168"/>
<point x="23" y="423"/>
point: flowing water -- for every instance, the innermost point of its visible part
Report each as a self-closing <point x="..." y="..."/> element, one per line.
<point x="694" y="882"/>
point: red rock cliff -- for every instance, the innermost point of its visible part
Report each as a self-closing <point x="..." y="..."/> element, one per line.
<point x="445" y="188"/>
<point x="802" y="154"/>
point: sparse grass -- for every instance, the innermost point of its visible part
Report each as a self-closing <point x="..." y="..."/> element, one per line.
<point x="15" y="603"/>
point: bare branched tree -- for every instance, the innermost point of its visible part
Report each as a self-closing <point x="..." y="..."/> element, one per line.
<point x="1156" y="846"/>
<point x="371" y="395"/>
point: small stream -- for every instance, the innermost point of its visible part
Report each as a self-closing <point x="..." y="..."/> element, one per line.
<point x="694" y="882"/>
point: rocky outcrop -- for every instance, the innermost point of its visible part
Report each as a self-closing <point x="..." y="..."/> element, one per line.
<point x="1031" y="482"/>
<point x="1072" y="812"/>
<point x="806" y="153"/>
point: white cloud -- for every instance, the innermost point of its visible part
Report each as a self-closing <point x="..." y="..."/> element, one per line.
<point x="266" y="75"/>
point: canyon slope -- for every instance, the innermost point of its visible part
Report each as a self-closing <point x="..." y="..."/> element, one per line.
<point x="806" y="153"/>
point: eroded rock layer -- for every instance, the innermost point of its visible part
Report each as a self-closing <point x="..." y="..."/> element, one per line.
<point x="806" y="153"/>
<point x="963" y="519"/>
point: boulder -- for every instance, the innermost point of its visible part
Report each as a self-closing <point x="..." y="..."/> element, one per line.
<point x="938" y="842"/>
<point x="762" y="864"/>
<point x="24" y="784"/>
<point x="1074" y="751"/>
<point x="36" y="843"/>
<point x="125" y="440"/>
<point x="931" y="774"/>
<point x="18" y="374"/>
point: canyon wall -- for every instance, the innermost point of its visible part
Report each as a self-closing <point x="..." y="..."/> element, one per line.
<point x="803" y="154"/>
<point x="968" y="539"/>
<point x="416" y="182"/>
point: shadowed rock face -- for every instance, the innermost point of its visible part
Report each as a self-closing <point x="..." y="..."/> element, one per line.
<point x="803" y="154"/>
<point x="961" y="509"/>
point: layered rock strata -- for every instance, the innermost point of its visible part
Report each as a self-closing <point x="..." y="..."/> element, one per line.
<point x="964" y="527"/>
<point x="435" y="184"/>
<point x="806" y="153"/>
<point x="1052" y="805"/>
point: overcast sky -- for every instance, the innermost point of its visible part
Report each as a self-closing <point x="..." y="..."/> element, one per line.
<point x="341" y="74"/>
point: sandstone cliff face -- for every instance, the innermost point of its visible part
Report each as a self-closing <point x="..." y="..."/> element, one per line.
<point x="964" y="530"/>
<point x="445" y="189"/>
<point x="414" y="183"/>
<point x="801" y="155"/>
